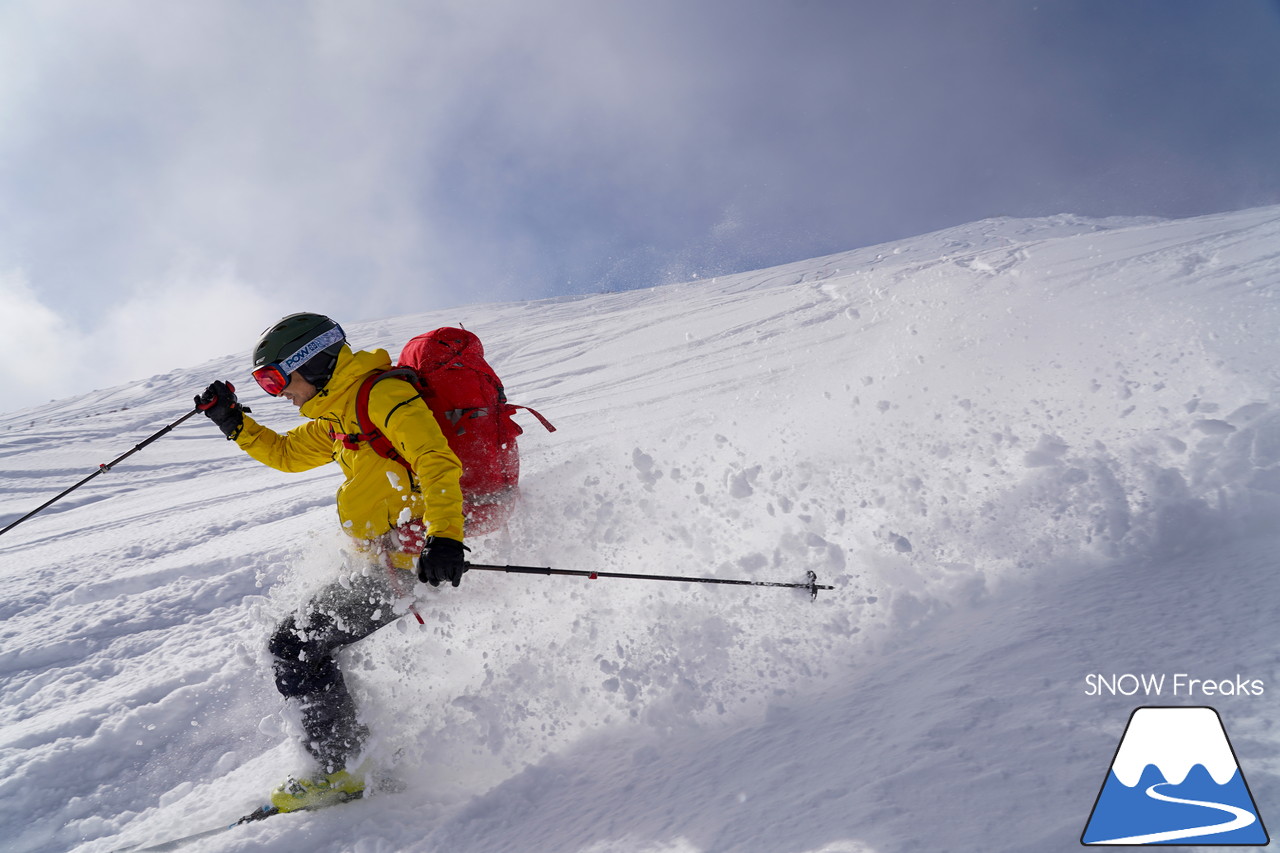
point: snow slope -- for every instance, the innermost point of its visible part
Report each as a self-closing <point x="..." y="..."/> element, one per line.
<point x="1023" y="451"/>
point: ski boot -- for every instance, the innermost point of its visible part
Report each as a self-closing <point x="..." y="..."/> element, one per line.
<point x="323" y="789"/>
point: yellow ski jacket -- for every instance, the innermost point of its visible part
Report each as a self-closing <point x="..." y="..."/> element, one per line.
<point x="378" y="494"/>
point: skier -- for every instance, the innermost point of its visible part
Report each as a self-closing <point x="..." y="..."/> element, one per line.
<point x="398" y="521"/>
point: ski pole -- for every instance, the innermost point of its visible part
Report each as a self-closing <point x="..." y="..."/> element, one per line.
<point x="102" y="469"/>
<point x="812" y="585"/>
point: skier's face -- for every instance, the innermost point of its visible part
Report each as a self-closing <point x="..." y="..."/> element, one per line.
<point x="299" y="390"/>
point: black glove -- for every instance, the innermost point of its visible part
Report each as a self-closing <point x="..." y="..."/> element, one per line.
<point x="219" y="403"/>
<point x="442" y="560"/>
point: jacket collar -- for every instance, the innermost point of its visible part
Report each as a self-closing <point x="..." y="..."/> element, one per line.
<point x="348" y="373"/>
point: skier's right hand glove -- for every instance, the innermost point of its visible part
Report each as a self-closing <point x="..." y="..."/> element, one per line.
<point x="442" y="560"/>
<point x="220" y="405"/>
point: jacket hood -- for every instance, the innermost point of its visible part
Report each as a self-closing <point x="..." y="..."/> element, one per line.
<point x="350" y="371"/>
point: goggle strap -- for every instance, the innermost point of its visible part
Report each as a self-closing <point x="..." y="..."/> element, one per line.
<point x="309" y="349"/>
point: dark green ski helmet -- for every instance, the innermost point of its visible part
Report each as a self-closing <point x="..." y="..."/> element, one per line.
<point x="302" y="343"/>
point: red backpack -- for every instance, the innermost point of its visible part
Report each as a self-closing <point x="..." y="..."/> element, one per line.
<point x="448" y="368"/>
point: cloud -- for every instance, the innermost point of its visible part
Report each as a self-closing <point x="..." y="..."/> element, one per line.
<point x="152" y="133"/>
<point x="403" y="155"/>
<point x="183" y="321"/>
<point x="38" y="349"/>
<point x="147" y="149"/>
<point x="386" y="158"/>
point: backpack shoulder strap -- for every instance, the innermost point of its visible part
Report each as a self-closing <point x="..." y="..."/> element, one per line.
<point x="369" y="431"/>
<point x="408" y="374"/>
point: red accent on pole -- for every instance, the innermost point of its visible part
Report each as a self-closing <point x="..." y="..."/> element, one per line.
<point x="593" y="576"/>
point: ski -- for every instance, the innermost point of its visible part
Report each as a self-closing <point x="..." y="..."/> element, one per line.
<point x="260" y="813"/>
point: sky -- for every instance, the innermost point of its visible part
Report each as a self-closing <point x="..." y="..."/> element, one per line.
<point x="176" y="176"/>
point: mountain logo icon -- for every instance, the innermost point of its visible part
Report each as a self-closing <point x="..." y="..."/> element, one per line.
<point x="1175" y="780"/>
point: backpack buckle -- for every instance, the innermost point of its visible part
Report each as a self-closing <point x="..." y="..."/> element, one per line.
<point x="350" y="440"/>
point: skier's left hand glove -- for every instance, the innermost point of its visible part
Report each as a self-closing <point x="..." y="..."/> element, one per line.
<point x="220" y="405"/>
<point x="442" y="560"/>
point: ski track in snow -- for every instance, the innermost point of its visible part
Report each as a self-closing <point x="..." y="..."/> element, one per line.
<point x="1022" y="450"/>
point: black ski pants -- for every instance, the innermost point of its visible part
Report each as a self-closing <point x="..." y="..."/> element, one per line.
<point x="305" y="647"/>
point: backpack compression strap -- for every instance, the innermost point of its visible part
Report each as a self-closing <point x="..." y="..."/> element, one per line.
<point x="546" y="423"/>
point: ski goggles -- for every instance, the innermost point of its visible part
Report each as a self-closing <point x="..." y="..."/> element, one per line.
<point x="274" y="377"/>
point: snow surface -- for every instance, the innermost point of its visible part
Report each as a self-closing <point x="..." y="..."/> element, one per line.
<point x="1023" y="451"/>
